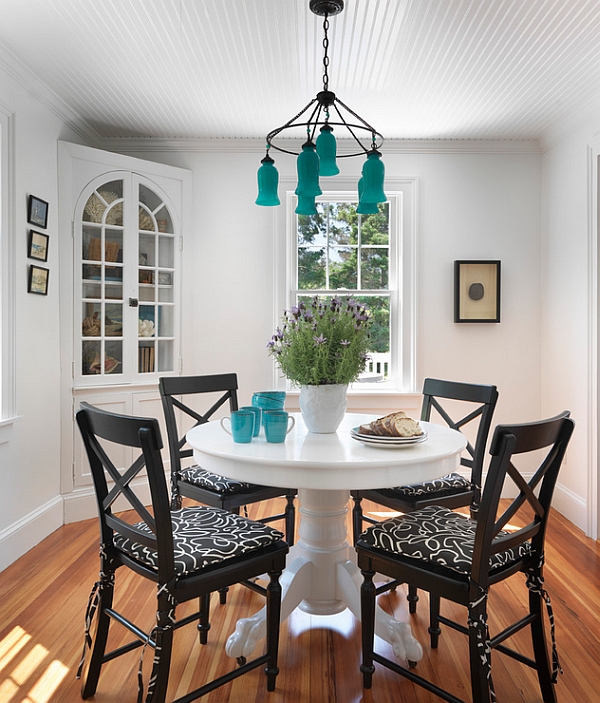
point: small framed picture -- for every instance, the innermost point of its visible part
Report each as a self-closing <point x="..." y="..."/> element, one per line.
<point x="38" y="280"/>
<point x="476" y="291"/>
<point x="38" y="245"/>
<point x="165" y="278"/>
<point x="37" y="212"/>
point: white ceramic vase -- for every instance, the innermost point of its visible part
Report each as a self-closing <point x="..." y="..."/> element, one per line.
<point x="323" y="407"/>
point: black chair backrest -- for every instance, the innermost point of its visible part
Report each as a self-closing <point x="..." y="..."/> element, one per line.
<point x="435" y="391"/>
<point x="171" y="386"/>
<point x="139" y="433"/>
<point x="511" y="443"/>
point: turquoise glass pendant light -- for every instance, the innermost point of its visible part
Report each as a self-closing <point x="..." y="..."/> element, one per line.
<point x="268" y="181"/>
<point x="363" y="207"/>
<point x="327" y="149"/>
<point x="373" y="172"/>
<point x="308" y="171"/>
<point x="306" y="205"/>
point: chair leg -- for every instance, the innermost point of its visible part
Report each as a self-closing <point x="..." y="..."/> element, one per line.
<point x="412" y="599"/>
<point x="159" y="678"/>
<point x="479" y="651"/>
<point x="223" y="595"/>
<point x="367" y="616"/>
<point x="91" y="672"/>
<point x="434" y="620"/>
<point x="273" y="626"/>
<point x="357" y="516"/>
<point x="290" y="519"/>
<point x="204" y="624"/>
<point x="540" y="649"/>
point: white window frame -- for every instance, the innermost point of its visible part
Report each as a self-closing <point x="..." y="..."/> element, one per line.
<point x="401" y="194"/>
<point x="7" y="276"/>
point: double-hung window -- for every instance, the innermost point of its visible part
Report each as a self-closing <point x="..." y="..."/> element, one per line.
<point x="369" y="257"/>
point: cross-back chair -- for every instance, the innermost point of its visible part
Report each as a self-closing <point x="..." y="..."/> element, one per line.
<point x="186" y="553"/>
<point x="459" y="558"/>
<point x="195" y="482"/>
<point x="454" y="490"/>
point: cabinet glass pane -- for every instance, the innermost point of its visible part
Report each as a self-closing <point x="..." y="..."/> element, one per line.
<point x="92" y="243"/>
<point x="147" y="255"/>
<point x="146" y="220"/>
<point x="113" y="320"/>
<point x="146" y="354"/>
<point x="165" y="355"/>
<point x="92" y="290"/>
<point x="166" y="251"/>
<point x="166" y="327"/>
<point x="149" y="198"/>
<point x="146" y="321"/>
<point x="165" y="292"/>
<point x="90" y="352"/>
<point x="113" y="357"/>
<point x="91" y="320"/>
<point x="146" y="294"/>
<point x="163" y="220"/>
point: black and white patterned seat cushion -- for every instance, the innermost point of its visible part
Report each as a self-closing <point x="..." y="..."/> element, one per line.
<point x="198" y="476"/>
<point x="447" y="485"/>
<point x="203" y="536"/>
<point x="438" y="535"/>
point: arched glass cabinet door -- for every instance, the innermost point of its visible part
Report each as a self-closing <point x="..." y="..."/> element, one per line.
<point x="127" y="301"/>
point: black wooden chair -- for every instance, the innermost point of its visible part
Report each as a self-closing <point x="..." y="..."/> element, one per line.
<point x="441" y="400"/>
<point x="198" y="483"/>
<point x="186" y="553"/>
<point x="459" y="558"/>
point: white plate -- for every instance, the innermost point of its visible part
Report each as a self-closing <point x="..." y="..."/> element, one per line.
<point x="390" y="442"/>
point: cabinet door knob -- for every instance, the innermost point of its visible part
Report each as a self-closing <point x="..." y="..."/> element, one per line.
<point x="133" y="302"/>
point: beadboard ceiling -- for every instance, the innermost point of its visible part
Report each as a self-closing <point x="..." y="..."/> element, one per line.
<point x="415" y="69"/>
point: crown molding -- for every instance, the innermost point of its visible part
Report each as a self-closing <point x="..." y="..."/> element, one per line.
<point x="21" y="74"/>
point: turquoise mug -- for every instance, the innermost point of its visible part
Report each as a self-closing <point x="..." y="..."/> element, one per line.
<point x="257" y="412"/>
<point x="277" y="425"/>
<point x="242" y="426"/>
<point x="268" y="400"/>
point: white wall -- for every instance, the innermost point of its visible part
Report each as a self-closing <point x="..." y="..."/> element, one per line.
<point x="30" y="503"/>
<point x="470" y="206"/>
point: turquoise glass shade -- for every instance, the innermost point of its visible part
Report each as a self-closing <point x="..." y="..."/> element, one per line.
<point x="363" y="207"/>
<point x="268" y="182"/>
<point x="373" y="172"/>
<point x="306" y="205"/>
<point x="308" y="172"/>
<point x="327" y="149"/>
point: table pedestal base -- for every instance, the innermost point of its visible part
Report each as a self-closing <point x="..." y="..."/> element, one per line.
<point x="321" y="578"/>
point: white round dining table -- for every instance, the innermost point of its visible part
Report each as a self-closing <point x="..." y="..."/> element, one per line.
<point x="321" y="576"/>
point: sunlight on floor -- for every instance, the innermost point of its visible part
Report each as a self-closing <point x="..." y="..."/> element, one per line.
<point x="30" y="665"/>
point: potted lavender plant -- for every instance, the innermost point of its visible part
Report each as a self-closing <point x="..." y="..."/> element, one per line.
<point x="321" y="346"/>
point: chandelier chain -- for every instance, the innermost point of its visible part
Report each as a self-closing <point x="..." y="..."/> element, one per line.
<point x="325" y="54"/>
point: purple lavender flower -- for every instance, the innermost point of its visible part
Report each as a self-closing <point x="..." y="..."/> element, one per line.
<point x="345" y="343"/>
<point x="319" y="340"/>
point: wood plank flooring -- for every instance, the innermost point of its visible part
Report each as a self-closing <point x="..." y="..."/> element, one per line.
<point x="43" y="597"/>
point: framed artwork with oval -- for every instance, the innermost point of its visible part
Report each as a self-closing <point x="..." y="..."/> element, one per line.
<point x="476" y="291"/>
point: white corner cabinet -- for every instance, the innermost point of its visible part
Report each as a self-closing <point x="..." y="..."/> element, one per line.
<point x="121" y="291"/>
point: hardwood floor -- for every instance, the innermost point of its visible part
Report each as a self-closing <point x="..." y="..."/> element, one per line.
<point x="44" y="594"/>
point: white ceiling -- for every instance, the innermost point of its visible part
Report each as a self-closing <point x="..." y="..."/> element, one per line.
<point x="414" y="69"/>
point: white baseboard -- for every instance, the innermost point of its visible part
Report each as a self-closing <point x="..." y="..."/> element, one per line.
<point x="81" y="504"/>
<point x="21" y="536"/>
<point x="571" y="506"/>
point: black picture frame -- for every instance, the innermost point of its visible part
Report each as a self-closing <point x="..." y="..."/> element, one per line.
<point x="477" y="291"/>
<point x="38" y="280"/>
<point x="38" y="245"/>
<point x="37" y="212"/>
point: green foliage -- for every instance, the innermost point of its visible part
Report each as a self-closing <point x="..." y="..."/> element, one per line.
<point x="322" y="342"/>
